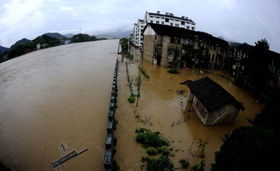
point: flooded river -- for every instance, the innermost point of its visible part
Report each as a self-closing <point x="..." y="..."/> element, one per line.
<point x="161" y="108"/>
<point x="54" y="101"/>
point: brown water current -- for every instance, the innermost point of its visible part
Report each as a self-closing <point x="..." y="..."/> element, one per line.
<point x="161" y="108"/>
<point x="53" y="101"/>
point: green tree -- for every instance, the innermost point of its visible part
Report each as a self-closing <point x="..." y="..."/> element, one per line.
<point x="82" y="38"/>
<point x="262" y="44"/>
<point x="20" y="49"/>
<point x="124" y="45"/>
<point x="256" y="65"/>
<point x="247" y="148"/>
<point x="49" y="41"/>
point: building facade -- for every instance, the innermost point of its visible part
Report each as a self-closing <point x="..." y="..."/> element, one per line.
<point x="137" y="32"/>
<point x="166" y="46"/>
<point x="163" y="19"/>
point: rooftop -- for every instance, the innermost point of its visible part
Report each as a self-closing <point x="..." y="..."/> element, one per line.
<point x="172" y="16"/>
<point x="211" y="94"/>
<point x="185" y="33"/>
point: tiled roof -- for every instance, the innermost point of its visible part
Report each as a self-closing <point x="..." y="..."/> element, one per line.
<point x="211" y="94"/>
<point x="185" y="33"/>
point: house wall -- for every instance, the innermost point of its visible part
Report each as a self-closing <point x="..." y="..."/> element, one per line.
<point x="224" y="114"/>
<point x="136" y="52"/>
<point x="191" y="96"/>
<point x="200" y="110"/>
<point x="164" y="53"/>
<point x="148" y="48"/>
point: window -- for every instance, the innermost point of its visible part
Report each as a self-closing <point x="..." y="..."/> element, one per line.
<point x="171" y="24"/>
<point x="157" y="22"/>
<point x="151" y="21"/>
<point x="173" y="39"/>
<point x="192" y="28"/>
<point x="166" y="19"/>
<point x="176" y="25"/>
<point x="183" y="22"/>
<point x="188" y="27"/>
<point x="162" y="22"/>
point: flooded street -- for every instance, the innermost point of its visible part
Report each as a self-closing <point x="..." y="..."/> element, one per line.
<point x="54" y="101"/>
<point x="161" y="108"/>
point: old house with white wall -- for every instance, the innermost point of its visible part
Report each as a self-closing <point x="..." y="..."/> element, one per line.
<point x="212" y="103"/>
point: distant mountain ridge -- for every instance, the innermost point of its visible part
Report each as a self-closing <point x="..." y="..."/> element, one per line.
<point x="70" y="35"/>
<point x="55" y="35"/>
<point x="21" y="42"/>
<point x="116" y="34"/>
<point x="3" y="49"/>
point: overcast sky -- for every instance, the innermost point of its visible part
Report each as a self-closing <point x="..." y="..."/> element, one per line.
<point x="235" y="20"/>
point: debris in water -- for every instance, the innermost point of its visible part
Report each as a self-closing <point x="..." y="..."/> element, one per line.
<point x="62" y="146"/>
<point x="66" y="158"/>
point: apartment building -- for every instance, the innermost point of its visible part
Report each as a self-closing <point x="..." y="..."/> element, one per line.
<point x="165" y="45"/>
<point x="163" y="19"/>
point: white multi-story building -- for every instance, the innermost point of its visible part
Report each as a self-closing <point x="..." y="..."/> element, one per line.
<point x="137" y="30"/>
<point x="158" y="18"/>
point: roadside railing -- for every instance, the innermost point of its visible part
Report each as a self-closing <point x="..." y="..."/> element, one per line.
<point x="110" y="140"/>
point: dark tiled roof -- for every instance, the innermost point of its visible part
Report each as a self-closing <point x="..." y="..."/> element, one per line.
<point x="211" y="94"/>
<point x="185" y="33"/>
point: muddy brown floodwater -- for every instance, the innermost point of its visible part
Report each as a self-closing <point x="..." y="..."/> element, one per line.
<point x="161" y="108"/>
<point x="53" y="101"/>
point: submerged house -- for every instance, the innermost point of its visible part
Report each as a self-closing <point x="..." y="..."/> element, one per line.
<point x="212" y="103"/>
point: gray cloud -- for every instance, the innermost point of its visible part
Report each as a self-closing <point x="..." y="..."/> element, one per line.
<point x="235" y="20"/>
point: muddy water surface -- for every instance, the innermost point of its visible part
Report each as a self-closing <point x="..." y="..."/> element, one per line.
<point x="54" y="101"/>
<point x="161" y="108"/>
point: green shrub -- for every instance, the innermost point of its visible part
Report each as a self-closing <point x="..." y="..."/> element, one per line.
<point x="199" y="166"/>
<point x="164" y="151"/>
<point x="149" y="138"/>
<point x="162" y="163"/>
<point x="131" y="99"/>
<point x="185" y="163"/>
<point x="129" y="56"/>
<point x="152" y="151"/>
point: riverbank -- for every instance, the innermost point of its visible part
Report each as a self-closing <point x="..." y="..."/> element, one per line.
<point x="162" y="108"/>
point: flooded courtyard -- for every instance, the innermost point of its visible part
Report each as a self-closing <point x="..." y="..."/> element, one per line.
<point x="54" y="101"/>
